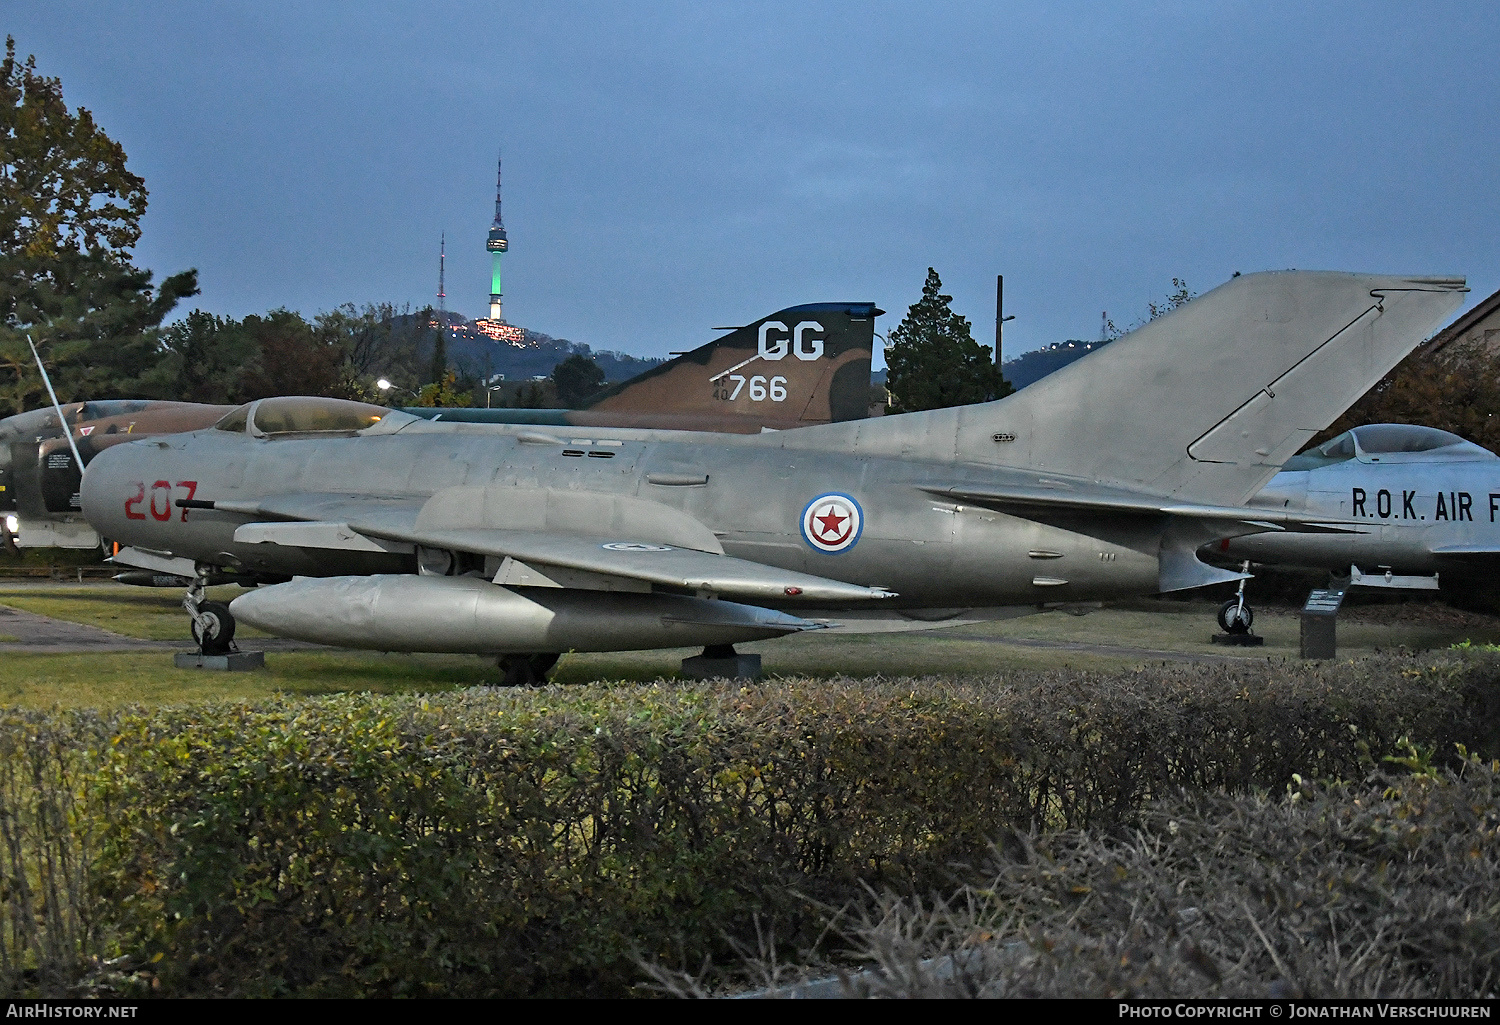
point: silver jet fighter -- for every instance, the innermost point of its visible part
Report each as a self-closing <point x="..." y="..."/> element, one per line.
<point x="1100" y="481"/>
<point x="1419" y="508"/>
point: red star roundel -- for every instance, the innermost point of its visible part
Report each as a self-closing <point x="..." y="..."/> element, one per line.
<point x="832" y="523"/>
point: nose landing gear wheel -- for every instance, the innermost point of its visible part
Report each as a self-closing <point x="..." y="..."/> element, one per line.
<point x="1235" y="618"/>
<point x="213" y="628"/>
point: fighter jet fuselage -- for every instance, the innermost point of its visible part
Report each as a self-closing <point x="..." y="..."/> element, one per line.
<point x="1415" y="500"/>
<point x="864" y="521"/>
<point x="1103" y="480"/>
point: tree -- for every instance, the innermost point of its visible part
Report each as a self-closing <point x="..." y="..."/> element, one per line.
<point x="443" y="392"/>
<point x="376" y="340"/>
<point x="291" y="358"/>
<point x="438" y="370"/>
<point x="203" y="358"/>
<point x="1458" y="395"/>
<point x="576" y="378"/>
<point x="1179" y="297"/>
<point x="933" y="359"/>
<point x="70" y="213"/>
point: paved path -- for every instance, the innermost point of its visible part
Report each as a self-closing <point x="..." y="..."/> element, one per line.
<point x="44" y="635"/>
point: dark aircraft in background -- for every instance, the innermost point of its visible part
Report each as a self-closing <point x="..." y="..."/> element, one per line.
<point x="1417" y="508"/>
<point x="38" y="478"/>
<point x="800" y="366"/>
<point x="803" y="365"/>
<point x="1100" y="481"/>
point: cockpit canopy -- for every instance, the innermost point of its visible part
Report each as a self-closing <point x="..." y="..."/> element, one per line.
<point x="287" y="415"/>
<point x="98" y="409"/>
<point x="1388" y="443"/>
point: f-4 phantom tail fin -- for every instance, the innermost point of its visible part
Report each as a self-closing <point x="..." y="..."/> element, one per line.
<point x="1204" y="403"/>
<point x="802" y="365"/>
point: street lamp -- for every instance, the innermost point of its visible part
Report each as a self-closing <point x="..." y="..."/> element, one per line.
<point x="386" y="386"/>
<point x="490" y="387"/>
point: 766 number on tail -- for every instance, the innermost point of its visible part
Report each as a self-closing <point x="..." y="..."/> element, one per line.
<point x="760" y="388"/>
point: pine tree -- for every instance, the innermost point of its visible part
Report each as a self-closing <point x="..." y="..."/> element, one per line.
<point x="933" y="359"/>
<point x="576" y="378"/>
<point x="438" y="368"/>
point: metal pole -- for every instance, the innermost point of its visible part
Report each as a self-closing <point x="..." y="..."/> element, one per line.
<point x="63" y="423"/>
<point x="1000" y="317"/>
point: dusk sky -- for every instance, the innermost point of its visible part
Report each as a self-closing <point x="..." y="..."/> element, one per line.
<point x="673" y="167"/>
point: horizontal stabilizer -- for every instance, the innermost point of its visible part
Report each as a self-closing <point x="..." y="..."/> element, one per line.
<point x="1036" y="501"/>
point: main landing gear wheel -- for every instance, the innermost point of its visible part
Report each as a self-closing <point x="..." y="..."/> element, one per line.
<point x="213" y="628"/>
<point x="1235" y="618"/>
<point x="526" y="670"/>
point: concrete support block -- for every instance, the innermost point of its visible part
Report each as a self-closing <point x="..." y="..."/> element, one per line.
<point x="235" y="662"/>
<point x="731" y="667"/>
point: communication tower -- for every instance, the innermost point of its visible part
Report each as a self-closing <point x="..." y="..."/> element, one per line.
<point x="494" y="326"/>
<point x="496" y="244"/>
<point x="442" y="295"/>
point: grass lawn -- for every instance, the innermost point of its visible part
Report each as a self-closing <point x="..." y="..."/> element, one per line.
<point x="109" y="679"/>
<point x="1187" y="626"/>
<point x="153" y="613"/>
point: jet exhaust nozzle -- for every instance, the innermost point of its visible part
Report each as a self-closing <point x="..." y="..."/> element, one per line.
<point x="466" y="615"/>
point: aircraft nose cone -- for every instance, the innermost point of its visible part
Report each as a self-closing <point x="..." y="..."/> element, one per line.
<point x="97" y="476"/>
<point x="112" y="478"/>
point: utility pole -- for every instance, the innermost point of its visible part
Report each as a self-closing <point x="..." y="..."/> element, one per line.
<point x="1000" y="317"/>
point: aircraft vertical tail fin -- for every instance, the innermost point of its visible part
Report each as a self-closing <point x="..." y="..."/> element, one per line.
<point x="802" y="365"/>
<point x="1204" y="403"/>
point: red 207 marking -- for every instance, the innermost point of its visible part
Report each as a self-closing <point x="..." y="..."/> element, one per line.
<point x="131" y="503"/>
<point x="166" y="512"/>
<point x="192" y="489"/>
<point x="132" y="510"/>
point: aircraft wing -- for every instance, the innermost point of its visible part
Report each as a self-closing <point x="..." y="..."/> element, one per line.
<point x="1037" y="501"/>
<point x="681" y="569"/>
<point x="629" y="560"/>
<point x="397" y="513"/>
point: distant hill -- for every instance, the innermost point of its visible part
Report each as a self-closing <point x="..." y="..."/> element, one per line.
<point x="535" y="356"/>
<point x="1030" y="367"/>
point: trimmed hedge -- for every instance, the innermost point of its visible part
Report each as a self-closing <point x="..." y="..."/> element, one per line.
<point x="1381" y="889"/>
<point x="539" y="843"/>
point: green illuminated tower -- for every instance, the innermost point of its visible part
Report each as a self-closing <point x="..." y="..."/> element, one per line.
<point x="497" y="245"/>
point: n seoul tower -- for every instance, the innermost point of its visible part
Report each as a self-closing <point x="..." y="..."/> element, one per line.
<point x="497" y="245"/>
